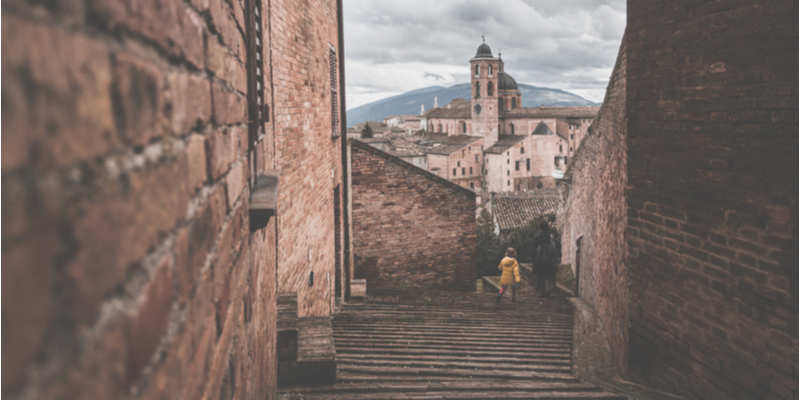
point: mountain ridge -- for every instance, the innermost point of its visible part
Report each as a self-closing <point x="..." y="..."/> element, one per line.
<point x="408" y="103"/>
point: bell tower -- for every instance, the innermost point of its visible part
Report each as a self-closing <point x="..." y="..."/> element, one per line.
<point x="484" y="69"/>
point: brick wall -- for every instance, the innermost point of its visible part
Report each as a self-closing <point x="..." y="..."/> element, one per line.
<point x="129" y="267"/>
<point x="595" y="211"/>
<point x="712" y="105"/>
<point x="305" y="150"/>
<point x="411" y="228"/>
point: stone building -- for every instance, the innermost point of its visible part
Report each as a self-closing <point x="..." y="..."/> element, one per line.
<point x="144" y="242"/>
<point x="412" y="229"/>
<point x="551" y="135"/>
<point x="681" y="229"/>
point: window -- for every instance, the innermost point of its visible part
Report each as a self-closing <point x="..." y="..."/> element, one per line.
<point x="470" y="171"/>
<point x="508" y="161"/>
<point x="477" y="71"/>
<point x="258" y="110"/>
<point x="521" y="150"/>
<point x="508" y="153"/>
<point x="500" y="102"/>
<point x="513" y="102"/>
<point x="490" y="71"/>
<point x="463" y="171"/>
<point x="458" y="164"/>
<point x="508" y="172"/>
<point x="476" y="158"/>
<point x="477" y="89"/>
<point x="516" y="165"/>
<point x="555" y="161"/>
<point x="440" y="128"/>
<point x="572" y="136"/>
<point x="454" y="172"/>
<point x="512" y="129"/>
<point x="560" y="148"/>
<point x="508" y="183"/>
<point x="469" y="148"/>
<point x="490" y="89"/>
<point x="528" y="161"/>
<point x="565" y="160"/>
<point x="462" y="153"/>
<point x="334" y="93"/>
<point x="472" y="185"/>
<point x="464" y="127"/>
<point x="570" y="149"/>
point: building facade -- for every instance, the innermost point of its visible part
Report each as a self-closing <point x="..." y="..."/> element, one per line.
<point x="521" y="146"/>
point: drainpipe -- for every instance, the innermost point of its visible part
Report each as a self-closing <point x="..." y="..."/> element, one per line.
<point x="345" y="181"/>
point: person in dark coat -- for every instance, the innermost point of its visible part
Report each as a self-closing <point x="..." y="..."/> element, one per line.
<point x="545" y="259"/>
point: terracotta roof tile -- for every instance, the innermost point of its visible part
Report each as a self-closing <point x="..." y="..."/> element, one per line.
<point x="515" y="212"/>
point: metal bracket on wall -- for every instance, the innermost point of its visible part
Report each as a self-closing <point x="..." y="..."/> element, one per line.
<point x="264" y="199"/>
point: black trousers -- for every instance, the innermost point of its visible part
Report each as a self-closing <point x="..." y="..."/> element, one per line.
<point x="545" y="280"/>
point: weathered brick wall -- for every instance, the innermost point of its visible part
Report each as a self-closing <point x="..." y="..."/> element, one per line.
<point x="411" y="228"/>
<point x="595" y="211"/>
<point x="305" y="150"/>
<point x="129" y="270"/>
<point x="712" y="101"/>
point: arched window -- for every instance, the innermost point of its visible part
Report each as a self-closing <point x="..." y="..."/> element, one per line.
<point x="560" y="149"/>
<point x="490" y="89"/>
<point x="463" y="127"/>
<point x="512" y="129"/>
<point x="500" y="102"/>
<point x="440" y="128"/>
<point x="477" y="89"/>
<point x="521" y="150"/>
<point x="477" y="71"/>
<point x="513" y="103"/>
<point x="490" y="71"/>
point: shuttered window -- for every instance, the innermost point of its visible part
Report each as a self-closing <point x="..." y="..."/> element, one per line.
<point x="334" y="93"/>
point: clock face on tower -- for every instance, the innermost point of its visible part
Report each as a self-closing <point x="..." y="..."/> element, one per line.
<point x="477" y="108"/>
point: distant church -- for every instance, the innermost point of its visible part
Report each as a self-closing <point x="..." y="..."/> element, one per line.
<point x="490" y="142"/>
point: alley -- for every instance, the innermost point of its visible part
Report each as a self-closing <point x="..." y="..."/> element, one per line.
<point x="426" y="345"/>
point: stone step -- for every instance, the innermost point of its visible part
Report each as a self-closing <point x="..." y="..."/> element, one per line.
<point x="445" y="371"/>
<point x="460" y="365"/>
<point x="448" y="352"/>
<point x="515" y="358"/>
<point x="462" y="394"/>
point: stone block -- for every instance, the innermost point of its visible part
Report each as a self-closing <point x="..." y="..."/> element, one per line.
<point x="189" y="98"/>
<point x="57" y="96"/>
<point x="138" y="99"/>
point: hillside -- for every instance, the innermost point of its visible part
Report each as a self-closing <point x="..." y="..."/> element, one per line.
<point x="408" y="103"/>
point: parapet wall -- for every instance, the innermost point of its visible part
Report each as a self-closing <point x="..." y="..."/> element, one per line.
<point x="411" y="228"/>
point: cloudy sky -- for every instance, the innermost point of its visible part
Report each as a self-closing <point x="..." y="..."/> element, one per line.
<point x="393" y="46"/>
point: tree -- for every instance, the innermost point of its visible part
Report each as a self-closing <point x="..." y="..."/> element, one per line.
<point x="489" y="251"/>
<point x="367" y="133"/>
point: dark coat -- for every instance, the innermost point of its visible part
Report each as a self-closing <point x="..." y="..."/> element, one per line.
<point x="542" y="238"/>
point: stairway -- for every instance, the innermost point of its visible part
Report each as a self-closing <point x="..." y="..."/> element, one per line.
<point x="417" y="345"/>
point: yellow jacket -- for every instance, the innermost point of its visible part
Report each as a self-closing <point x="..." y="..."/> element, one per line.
<point x="510" y="270"/>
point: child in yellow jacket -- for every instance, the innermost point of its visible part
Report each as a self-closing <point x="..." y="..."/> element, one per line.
<point x="510" y="275"/>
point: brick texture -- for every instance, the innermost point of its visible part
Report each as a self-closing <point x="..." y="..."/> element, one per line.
<point x="404" y="237"/>
<point x="712" y="196"/>
<point x="129" y="267"/>
<point x="594" y="211"/>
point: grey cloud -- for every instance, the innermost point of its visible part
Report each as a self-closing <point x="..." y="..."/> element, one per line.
<point x="572" y="43"/>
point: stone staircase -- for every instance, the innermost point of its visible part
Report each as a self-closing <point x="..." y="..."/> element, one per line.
<point x="417" y="345"/>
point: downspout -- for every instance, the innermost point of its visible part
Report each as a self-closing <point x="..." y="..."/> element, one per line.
<point x="345" y="175"/>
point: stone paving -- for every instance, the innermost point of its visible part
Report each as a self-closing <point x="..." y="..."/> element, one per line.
<point x="422" y="345"/>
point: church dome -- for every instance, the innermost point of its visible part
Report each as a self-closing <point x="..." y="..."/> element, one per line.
<point x="506" y="82"/>
<point x="484" y="51"/>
